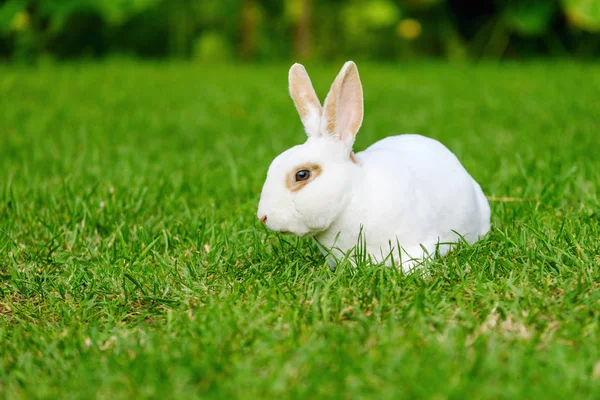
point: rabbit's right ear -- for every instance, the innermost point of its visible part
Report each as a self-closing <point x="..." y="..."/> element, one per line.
<point x="305" y="99"/>
<point x="343" y="107"/>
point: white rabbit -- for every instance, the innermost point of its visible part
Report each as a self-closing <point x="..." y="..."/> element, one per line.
<point x="407" y="190"/>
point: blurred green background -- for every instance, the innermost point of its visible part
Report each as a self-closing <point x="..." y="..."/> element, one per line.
<point x="268" y="30"/>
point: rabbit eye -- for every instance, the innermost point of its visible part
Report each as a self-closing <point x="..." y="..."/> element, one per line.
<point x="302" y="175"/>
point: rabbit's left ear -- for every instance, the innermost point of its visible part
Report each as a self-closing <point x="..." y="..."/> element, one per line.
<point x="343" y="108"/>
<point x="305" y="99"/>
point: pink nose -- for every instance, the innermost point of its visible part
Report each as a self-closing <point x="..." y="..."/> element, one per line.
<point x="263" y="219"/>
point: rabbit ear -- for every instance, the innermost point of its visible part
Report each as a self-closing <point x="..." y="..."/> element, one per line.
<point x="343" y="108"/>
<point x="305" y="99"/>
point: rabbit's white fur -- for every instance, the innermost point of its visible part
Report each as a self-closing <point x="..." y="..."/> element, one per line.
<point x="405" y="190"/>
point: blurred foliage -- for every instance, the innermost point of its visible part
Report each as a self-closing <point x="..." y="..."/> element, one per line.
<point x="261" y="30"/>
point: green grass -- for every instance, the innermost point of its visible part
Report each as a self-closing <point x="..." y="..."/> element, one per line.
<point x="132" y="264"/>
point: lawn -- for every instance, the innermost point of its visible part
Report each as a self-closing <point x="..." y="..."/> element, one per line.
<point x="132" y="264"/>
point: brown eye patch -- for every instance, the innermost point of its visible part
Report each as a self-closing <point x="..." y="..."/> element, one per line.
<point x="301" y="176"/>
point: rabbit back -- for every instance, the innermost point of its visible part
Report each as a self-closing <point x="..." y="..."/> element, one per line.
<point x="415" y="193"/>
<point x="437" y="192"/>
